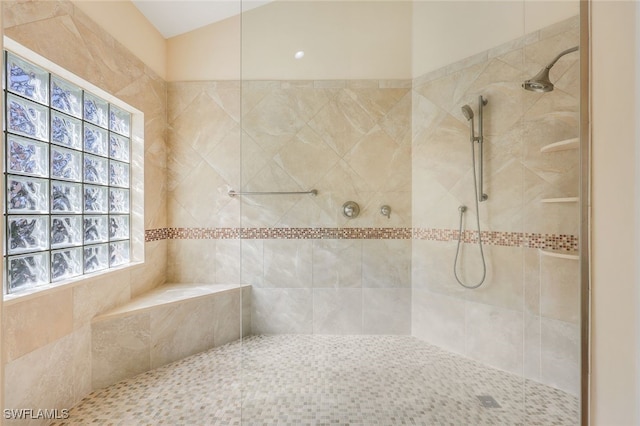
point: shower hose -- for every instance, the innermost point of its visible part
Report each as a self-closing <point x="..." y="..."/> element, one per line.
<point x="462" y="210"/>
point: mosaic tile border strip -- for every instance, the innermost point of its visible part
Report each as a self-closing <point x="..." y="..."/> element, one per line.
<point x="560" y="242"/>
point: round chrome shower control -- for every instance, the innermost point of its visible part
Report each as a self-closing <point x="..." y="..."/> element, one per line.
<point x="351" y="209"/>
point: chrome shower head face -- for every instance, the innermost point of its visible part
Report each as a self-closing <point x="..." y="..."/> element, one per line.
<point x="539" y="83"/>
<point x="467" y="112"/>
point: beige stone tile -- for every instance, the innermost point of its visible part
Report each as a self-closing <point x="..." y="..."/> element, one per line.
<point x="180" y="330"/>
<point x="532" y="281"/>
<point x="532" y="340"/>
<point x="386" y="263"/>
<point x="448" y="91"/>
<point x="397" y="120"/>
<point x="191" y="261"/>
<point x="120" y="348"/>
<point x="438" y="319"/>
<point x="446" y="153"/>
<point x="42" y="378"/>
<point x="225" y="157"/>
<point x="503" y="285"/>
<point x="252" y="263"/>
<point x="381" y="162"/>
<point x="81" y="362"/>
<point x="376" y="102"/>
<point x="282" y="310"/>
<point x="432" y="268"/>
<point x="495" y="336"/>
<point x="560" y="289"/>
<point x="337" y="311"/>
<point x="341" y="123"/>
<point x="306" y="158"/>
<point x="227" y="317"/>
<point x="386" y="311"/>
<point x="287" y="263"/>
<point x="560" y="355"/>
<point x="100" y="295"/>
<point x="228" y="261"/>
<point x="154" y="271"/>
<point x="337" y="263"/>
<point x="35" y="322"/>
<point x="203" y="193"/>
<point x="247" y="308"/>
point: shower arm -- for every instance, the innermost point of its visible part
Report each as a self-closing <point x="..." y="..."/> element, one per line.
<point x="560" y="55"/>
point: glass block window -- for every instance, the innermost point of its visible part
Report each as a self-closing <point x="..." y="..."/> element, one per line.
<point x="67" y="179"/>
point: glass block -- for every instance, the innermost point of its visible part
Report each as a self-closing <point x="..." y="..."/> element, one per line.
<point x="96" y="110"/>
<point x="96" y="257"/>
<point x="118" y="174"/>
<point x="26" y="194"/>
<point x="118" y="227"/>
<point x="118" y="147"/>
<point x="66" y="231"/>
<point x="96" y="229"/>
<point x="118" y="253"/>
<point x="66" y="97"/>
<point x="66" y="130"/>
<point x="27" y="79"/>
<point x="95" y="169"/>
<point x="119" y="120"/>
<point x="27" y="118"/>
<point x="27" y="271"/>
<point x="66" y="197"/>
<point x="118" y="200"/>
<point x="27" y="233"/>
<point x="95" y="140"/>
<point x="66" y="164"/>
<point x="66" y="263"/>
<point x="27" y="157"/>
<point x="95" y="199"/>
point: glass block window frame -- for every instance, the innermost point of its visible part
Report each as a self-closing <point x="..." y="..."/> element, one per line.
<point x="67" y="179"/>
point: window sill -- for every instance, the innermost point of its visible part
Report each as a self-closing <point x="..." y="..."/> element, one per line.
<point x="42" y="290"/>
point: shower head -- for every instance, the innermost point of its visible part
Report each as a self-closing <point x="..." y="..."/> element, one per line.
<point x="541" y="81"/>
<point x="467" y="112"/>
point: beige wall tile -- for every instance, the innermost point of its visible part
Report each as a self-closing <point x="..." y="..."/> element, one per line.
<point x="180" y="330"/>
<point x="386" y="263"/>
<point x="386" y="310"/>
<point x="337" y="263"/>
<point x="120" y="348"/>
<point x="337" y="311"/>
<point x="36" y="322"/>
<point x="495" y="336"/>
<point x="44" y="378"/>
<point x="287" y="263"/>
<point x="282" y="310"/>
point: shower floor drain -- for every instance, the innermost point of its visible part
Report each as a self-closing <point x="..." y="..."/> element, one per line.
<point x="488" y="401"/>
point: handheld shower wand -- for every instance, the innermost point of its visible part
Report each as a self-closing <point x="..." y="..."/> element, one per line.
<point x="479" y="194"/>
<point x="468" y="114"/>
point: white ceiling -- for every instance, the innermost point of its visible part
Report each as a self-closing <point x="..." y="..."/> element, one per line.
<point x="175" y="17"/>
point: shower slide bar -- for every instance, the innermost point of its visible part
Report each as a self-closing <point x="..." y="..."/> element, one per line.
<point x="313" y="193"/>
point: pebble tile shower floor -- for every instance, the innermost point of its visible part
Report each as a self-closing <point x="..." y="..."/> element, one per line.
<point x="322" y="380"/>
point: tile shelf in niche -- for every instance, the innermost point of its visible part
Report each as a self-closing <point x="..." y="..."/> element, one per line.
<point x="564" y="145"/>
<point x="560" y="200"/>
<point x="559" y="254"/>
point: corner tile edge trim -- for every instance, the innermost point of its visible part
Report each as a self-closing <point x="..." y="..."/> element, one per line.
<point x="560" y="242"/>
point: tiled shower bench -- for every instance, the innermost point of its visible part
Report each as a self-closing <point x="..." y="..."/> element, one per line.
<point x="166" y="324"/>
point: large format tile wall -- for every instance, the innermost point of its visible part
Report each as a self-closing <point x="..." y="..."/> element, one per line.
<point x="525" y="317"/>
<point x="47" y="337"/>
<point x="312" y="270"/>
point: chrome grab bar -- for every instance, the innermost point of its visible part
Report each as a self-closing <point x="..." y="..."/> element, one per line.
<point x="233" y="193"/>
